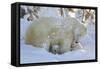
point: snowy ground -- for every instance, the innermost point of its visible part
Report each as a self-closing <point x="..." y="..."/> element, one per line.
<point x="29" y="54"/>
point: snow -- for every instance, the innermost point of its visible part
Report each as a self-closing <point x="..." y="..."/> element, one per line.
<point x="30" y="54"/>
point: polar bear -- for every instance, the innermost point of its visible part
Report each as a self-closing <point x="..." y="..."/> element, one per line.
<point x="51" y="32"/>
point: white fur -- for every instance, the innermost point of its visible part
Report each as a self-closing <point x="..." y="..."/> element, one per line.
<point x="53" y="31"/>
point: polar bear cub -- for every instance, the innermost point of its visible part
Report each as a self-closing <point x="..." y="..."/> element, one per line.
<point x="51" y="32"/>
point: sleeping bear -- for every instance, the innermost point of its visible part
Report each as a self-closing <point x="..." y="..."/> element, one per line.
<point x="56" y="35"/>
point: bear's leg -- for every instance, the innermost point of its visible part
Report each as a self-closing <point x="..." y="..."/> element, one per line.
<point x="76" y="44"/>
<point x="75" y="38"/>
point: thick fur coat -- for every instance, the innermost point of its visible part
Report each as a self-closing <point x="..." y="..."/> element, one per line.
<point x="54" y="34"/>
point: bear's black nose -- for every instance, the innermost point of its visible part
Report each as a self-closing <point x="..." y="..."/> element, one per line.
<point x="76" y="42"/>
